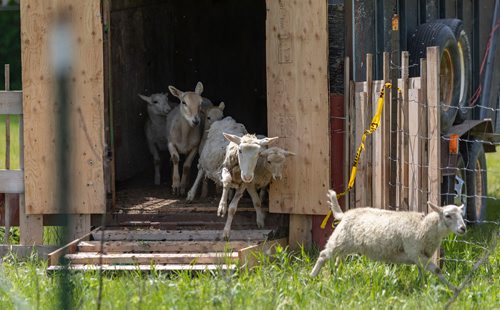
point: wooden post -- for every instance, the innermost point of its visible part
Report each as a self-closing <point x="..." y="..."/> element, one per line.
<point x="434" y="151"/>
<point x="79" y="225"/>
<point x="300" y="233"/>
<point x="378" y="184"/>
<point x="347" y="127"/>
<point x="7" y="159"/>
<point x="368" y="143"/>
<point x="352" y="135"/>
<point x="386" y="135"/>
<point x="405" y="56"/>
<point x="423" y="132"/>
<point x="415" y="181"/>
<point x="361" y="185"/>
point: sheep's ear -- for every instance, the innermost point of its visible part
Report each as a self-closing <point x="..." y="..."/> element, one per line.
<point x="174" y="91"/>
<point x="232" y="138"/>
<point x="145" y="98"/>
<point x="287" y="153"/>
<point x="265" y="152"/>
<point x="434" y="207"/>
<point x="461" y="207"/>
<point x="199" y="88"/>
<point x="222" y="106"/>
<point x="267" y="141"/>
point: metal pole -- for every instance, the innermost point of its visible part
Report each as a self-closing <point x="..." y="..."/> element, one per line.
<point x="61" y="53"/>
<point x="394" y="74"/>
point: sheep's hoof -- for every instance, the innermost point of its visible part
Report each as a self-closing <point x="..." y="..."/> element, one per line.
<point x="182" y="191"/>
<point x="190" y="197"/>
<point x="175" y="191"/>
<point x="221" y="211"/>
<point x="225" y="235"/>
<point x="260" y="224"/>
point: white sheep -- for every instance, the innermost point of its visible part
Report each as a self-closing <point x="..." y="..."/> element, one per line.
<point x="391" y="236"/>
<point x="184" y="133"/>
<point x="269" y="166"/>
<point x="213" y="151"/>
<point x="158" y="107"/>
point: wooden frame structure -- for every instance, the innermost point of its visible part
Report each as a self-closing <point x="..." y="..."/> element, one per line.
<point x="418" y="142"/>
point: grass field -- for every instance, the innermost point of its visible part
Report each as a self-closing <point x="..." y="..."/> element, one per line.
<point x="280" y="283"/>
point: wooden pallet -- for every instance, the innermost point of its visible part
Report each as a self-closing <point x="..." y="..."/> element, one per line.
<point x="145" y="249"/>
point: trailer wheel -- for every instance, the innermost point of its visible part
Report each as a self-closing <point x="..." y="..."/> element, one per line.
<point x="463" y="44"/>
<point x="476" y="180"/>
<point x="438" y="34"/>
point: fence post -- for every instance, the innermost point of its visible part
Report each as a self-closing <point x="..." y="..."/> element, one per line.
<point x="434" y="126"/>
<point x="7" y="159"/>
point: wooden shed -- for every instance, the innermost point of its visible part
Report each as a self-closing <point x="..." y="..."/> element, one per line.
<point x="267" y="60"/>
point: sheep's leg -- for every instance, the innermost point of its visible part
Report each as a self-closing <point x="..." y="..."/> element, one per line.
<point x="226" y="181"/>
<point x="174" y="156"/>
<point x="186" y="169"/>
<point x="194" y="188"/>
<point x="262" y="194"/>
<point x="324" y="256"/>
<point x="257" y="204"/>
<point x="232" y="210"/>
<point x="204" y="188"/>
<point x="423" y="260"/>
<point x="156" y="158"/>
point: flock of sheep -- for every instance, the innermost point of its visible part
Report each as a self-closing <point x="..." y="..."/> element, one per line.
<point x="234" y="159"/>
<point x="228" y="154"/>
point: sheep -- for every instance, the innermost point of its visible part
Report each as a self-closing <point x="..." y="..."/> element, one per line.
<point x="391" y="236"/>
<point x="184" y="134"/>
<point x="213" y="150"/>
<point x="158" y="107"/>
<point x="269" y="166"/>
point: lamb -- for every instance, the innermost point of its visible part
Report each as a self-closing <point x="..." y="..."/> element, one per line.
<point x="390" y="236"/>
<point x="269" y="166"/>
<point x="158" y="107"/>
<point x="183" y="133"/>
<point x="213" y="150"/>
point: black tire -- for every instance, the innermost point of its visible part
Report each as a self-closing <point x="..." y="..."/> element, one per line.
<point x="463" y="44"/>
<point x="476" y="179"/>
<point x="437" y="34"/>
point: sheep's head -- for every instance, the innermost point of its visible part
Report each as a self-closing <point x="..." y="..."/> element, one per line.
<point x="213" y="114"/>
<point x="157" y="103"/>
<point x="190" y="105"/>
<point x="275" y="159"/>
<point x="249" y="149"/>
<point x="451" y="216"/>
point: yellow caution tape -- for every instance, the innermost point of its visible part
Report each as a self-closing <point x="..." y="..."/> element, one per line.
<point x="373" y="126"/>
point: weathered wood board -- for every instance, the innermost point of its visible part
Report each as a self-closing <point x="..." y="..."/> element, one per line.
<point x="297" y="102"/>
<point x="40" y="107"/>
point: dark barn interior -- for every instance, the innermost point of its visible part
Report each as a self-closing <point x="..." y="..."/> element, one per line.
<point x="155" y="43"/>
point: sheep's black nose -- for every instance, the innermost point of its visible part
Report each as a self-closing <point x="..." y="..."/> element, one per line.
<point x="462" y="229"/>
<point x="196" y="121"/>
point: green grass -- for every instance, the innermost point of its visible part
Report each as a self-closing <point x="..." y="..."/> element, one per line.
<point x="282" y="283"/>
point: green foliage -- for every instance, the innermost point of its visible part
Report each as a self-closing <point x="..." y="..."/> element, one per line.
<point x="10" y="46"/>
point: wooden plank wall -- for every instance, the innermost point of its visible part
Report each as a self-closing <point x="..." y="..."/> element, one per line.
<point x="86" y="107"/>
<point x="297" y="103"/>
<point x="419" y="176"/>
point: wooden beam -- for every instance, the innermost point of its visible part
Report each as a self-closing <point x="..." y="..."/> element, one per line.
<point x="11" y="102"/>
<point x="360" y="186"/>
<point x="30" y="225"/>
<point x="300" y="231"/>
<point x="378" y="183"/>
<point x="180" y="235"/>
<point x="79" y="225"/>
<point x="11" y="181"/>
<point x="153" y="258"/>
<point x="67" y="249"/>
<point x="414" y="143"/>
<point x="433" y="100"/>
<point x="247" y="257"/>
<point x="424" y="133"/>
<point x="162" y="246"/>
<point x="369" y="140"/>
<point x="347" y="127"/>
<point x="148" y="267"/>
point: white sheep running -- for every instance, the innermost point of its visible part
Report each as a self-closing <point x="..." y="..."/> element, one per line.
<point x="269" y="167"/>
<point x="391" y="236"/>
<point x="158" y="107"/>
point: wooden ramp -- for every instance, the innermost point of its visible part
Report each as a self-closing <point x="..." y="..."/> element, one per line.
<point x="148" y="248"/>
